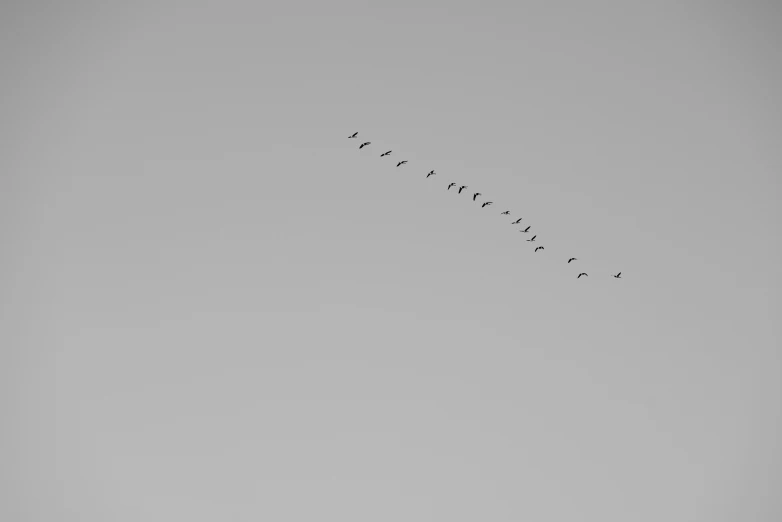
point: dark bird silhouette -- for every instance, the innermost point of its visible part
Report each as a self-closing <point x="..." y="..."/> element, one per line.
<point x="506" y="212"/>
<point x="525" y="230"/>
<point x="582" y="273"/>
<point x="401" y="163"/>
<point x="618" y="276"/>
<point x="487" y="203"/>
<point x="572" y="259"/>
<point x="451" y="185"/>
<point x="462" y="188"/>
<point x="476" y="195"/>
<point x="539" y="248"/>
<point x="364" y="144"/>
<point x="532" y="238"/>
<point x="431" y="173"/>
<point x="354" y="135"/>
<point x="386" y="153"/>
<point x="516" y="222"/>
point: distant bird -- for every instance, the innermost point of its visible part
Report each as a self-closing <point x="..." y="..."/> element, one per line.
<point x="572" y="259"/>
<point x="386" y="153"/>
<point x="506" y="212"/>
<point x="354" y="135"/>
<point x="539" y="248"/>
<point x="476" y="195"/>
<point x="532" y="238"/>
<point x="582" y="273"/>
<point x="618" y="276"/>
<point x="525" y="230"/>
<point x="487" y="203"/>
<point x="431" y="173"/>
<point x="401" y="163"/>
<point x="364" y="144"/>
<point x="462" y="188"/>
<point x="516" y="222"/>
<point x="451" y="185"/>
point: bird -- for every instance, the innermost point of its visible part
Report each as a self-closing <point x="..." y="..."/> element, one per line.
<point x="385" y="153"/>
<point x="354" y="135"/>
<point x="506" y="212"/>
<point x="364" y="144"/>
<point x="525" y="230"/>
<point x="451" y="185"/>
<point x="618" y="276"/>
<point x="401" y="163"/>
<point x="582" y="273"/>
<point x="516" y="222"/>
<point x="572" y="259"/>
<point x="539" y="248"/>
<point x="476" y="195"/>
<point x="431" y="173"/>
<point x="532" y="238"/>
<point x="462" y="188"/>
<point x="487" y="203"/>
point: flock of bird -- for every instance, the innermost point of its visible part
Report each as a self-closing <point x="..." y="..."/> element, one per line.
<point x="483" y="204"/>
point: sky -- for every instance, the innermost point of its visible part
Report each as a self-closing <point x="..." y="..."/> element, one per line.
<point x="214" y="305"/>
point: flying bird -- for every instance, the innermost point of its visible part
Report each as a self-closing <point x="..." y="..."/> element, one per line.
<point x="516" y="222"/>
<point x="582" y="273"/>
<point x="431" y="173"/>
<point x="525" y="230"/>
<point x="539" y="248"/>
<point x="401" y="163"/>
<point x="487" y="203"/>
<point x="572" y="259"/>
<point x="506" y="212"/>
<point x="618" y="276"/>
<point x="364" y="144"/>
<point x="354" y="135"/>
<point x="451" y="185"/>
<point x="532" y="238"/>
<point x="476" y="195"/>
<point x="386" y="153"/>
<point x="462" y="188"/>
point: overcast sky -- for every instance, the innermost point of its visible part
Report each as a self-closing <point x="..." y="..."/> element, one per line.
<point x="214" y="306"/>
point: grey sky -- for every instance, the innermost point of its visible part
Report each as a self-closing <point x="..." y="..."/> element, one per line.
<point x="214" y="306"/>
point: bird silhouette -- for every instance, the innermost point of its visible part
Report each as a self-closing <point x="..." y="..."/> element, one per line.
<point x="364" y="144"/>
<point x="532" y="238"/>
<point x="582" y="273"/>
<point x="431" y="173"/>
<point x="525" y="230"/>
<point x="572" y="259"/>
<point x="539" y="248"/>
<point x="386" y="153"/>
<point x="462" y="188"/>
<point x="618" y="276"/>
<point x="487" y="203"/>
<point x="401" y="163"/>
<point x="451" y="185"/>
<point x="354" y="135"/>
<point x="476" y="195"/>
<point x="516" y="222"/>
<point x="506" y="212"/>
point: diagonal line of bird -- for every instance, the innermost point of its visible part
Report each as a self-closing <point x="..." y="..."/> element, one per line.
<point x="484" y="204"/>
